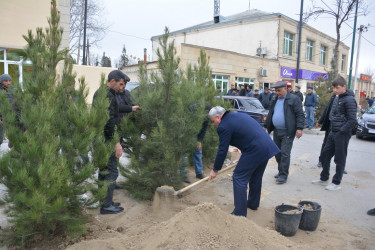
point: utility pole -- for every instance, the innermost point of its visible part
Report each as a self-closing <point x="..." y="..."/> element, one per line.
<point x="88" y="52"/>
<point x="361" y="29"/>
<point x="353" y="41"/>
<point x="299" y="40"/>
<point x="84" y="34"/>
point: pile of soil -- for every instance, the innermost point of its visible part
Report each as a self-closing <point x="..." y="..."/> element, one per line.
<point x="204" y="226"/>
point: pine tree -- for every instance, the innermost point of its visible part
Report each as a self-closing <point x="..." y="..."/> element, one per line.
<point x="105" y="61"/>
<point x="173" y="110"/>
<point x="46" y="174"/>
<point x="124" y="59"/>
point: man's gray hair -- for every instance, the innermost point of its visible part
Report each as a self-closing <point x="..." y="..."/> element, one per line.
<point x="216" y="111"/>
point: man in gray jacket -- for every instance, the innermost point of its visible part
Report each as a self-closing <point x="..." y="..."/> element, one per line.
<point x="286" y="119"/>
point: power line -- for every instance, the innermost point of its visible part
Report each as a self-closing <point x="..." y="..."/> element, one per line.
<point x="128" y="35"/>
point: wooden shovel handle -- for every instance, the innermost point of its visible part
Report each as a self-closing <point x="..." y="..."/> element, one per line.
<point x="204" y="179"/>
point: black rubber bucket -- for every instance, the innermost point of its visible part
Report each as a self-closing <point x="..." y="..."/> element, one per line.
<point x="287" y="223"/>
<point x="310" y="218"/>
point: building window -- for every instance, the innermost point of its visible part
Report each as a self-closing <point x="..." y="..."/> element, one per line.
<point x="288" y="43"/>
<point x="343" y="59"/>
<point x="309" y="50"/>
<point x="244" y="80"/>
<point x="323" y="54"/>
<point x="222" y="82"/>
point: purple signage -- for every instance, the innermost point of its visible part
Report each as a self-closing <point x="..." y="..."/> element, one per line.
<point x="303" y="74"/>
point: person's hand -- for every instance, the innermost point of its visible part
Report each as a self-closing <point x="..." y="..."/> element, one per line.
<point x="199" y="146"/>
<point x="213" y="174"/>
<point x="317" y="125"/>
<point x="136" y="108"/>
<point x="298" y="133"/>
<point x="118" y="150"/>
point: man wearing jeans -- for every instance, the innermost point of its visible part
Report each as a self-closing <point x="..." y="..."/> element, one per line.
<point x="286" y="120"/>
<point x="311" y="100"/>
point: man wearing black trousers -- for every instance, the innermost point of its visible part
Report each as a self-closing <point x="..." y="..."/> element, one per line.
<point x="109" y="173"/>
<point x="342" y="120"/>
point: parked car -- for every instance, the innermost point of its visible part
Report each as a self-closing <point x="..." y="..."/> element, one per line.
<point x="248" y="105"/>
<point x="366" y="123"/>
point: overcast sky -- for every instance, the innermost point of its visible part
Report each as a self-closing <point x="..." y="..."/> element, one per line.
<point x="134" y="22"/>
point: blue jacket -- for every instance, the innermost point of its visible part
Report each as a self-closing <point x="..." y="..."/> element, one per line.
<point x="242" y="131"/>
<point x="311" y="100"/>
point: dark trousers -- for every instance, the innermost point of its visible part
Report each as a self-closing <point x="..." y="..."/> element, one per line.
<point x="243" y="177"/>
<point x="324" y="143"/>
<point x="1" y="134"/>
<point x="109" y="174"/>
<point x="336" y="145"/>
<point x="285" y="144"/>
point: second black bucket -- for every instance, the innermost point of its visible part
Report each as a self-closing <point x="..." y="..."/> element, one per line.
<point x="286" y="222"/>
<point x="310" y="217"/>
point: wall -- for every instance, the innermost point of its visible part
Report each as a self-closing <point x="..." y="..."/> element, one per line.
<point x="92" y="76"/>
<point x="18" y="16"/>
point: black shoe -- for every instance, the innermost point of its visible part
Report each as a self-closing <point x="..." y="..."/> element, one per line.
<point x="319" y="165"/>
<point x="252" y="208"/>
<point x="276" y="176"/>
<point x="200" y="176"/>
<point x="111" y="210"/>
<point x="117" y="186"/>
<point x="187" y="180"/>
<point x="281" y="180"/>
<point x="116" y="204"/>
<point x="371" y="212"/>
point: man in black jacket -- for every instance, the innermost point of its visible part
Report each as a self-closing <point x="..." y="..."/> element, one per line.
<point x="342" y="117"/>
<point x="286" y="119"/>
<point x="297" y="92"/>
<point x="109" y="173"/>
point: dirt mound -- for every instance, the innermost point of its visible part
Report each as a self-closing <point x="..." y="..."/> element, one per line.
<point x="204" y="226"/>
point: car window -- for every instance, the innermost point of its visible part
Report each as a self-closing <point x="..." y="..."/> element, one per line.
<point x="371" y="110"/>
<point x="251" y="104"/>
<point x="235" y="104"/>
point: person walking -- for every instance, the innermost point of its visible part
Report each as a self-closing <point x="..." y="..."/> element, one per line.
<point x="297" y="92"/>
<point x="256" y="147"/>
<point x="286" y="120"/>
<point x="109" y="173"/>
<point x="311" y="100"/>
<point x="343" y="118"/>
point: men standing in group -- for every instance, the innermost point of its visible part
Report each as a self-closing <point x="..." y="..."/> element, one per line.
<point x="256" y="93"/>
<point x="311" y="100"/>
<point x="242" y="91"/>
<point x="286" y="120"/>
<point x="109" y="173"/>
<point x="256" y="148"/>
<point x="298" y="93"/>
<point x="289" y="87"/>
<point x="5" y="82"/>
<point x="265" y="98"/>
<point x="342" y="118"/>
<point x="250" y="92"/>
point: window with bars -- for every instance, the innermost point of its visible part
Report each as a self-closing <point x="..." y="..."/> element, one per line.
<point x="323" y="54"/>
<point x="288" y="43"/>
<point x="309" y="50"/>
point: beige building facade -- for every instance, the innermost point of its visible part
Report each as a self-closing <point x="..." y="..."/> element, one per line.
<point x="16" y="18"/>
<point x="268" y="41"/>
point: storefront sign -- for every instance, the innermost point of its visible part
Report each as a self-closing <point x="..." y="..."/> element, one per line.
<point x="303" y="74"/>
<point x="365" y="78"/>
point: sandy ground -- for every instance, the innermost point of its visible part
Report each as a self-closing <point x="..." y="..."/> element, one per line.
<point x="201" y="219"/>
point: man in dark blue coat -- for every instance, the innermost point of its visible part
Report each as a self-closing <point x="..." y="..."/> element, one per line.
<point x="242" y="131"/>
